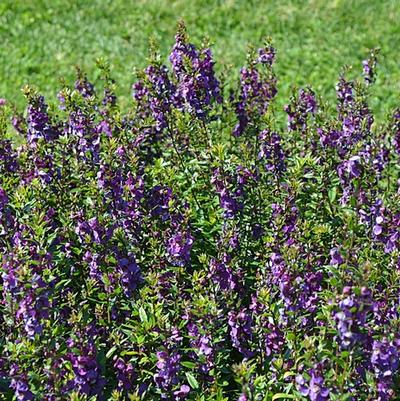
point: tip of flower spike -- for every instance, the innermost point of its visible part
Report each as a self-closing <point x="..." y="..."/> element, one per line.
<point x="181" y="32"/>
<point x="2" y="101"/>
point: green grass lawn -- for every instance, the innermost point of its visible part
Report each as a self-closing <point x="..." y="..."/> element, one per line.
<point x="42" y="40"/>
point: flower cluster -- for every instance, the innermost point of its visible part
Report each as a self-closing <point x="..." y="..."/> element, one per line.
<point x="192" y="245"/>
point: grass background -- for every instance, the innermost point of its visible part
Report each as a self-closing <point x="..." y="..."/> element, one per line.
<point x="43" y="40"/>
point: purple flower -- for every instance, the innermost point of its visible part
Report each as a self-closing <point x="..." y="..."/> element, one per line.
<point x="351" y="317"/>
<point x="8" y="157"/>
<point x="197" y="87"/>
<point x="87" y="375"/>
<point x="336" y="257"/>
<point x="396" y="130"/>
<point x="266" y="55"/>
<point x="179" y="247"/>
<point x="314" y="387"/>
<point x="3" y="199"/>
<point x="38" y="121"/>
<point x="257" y="89"/>
<point x="222" y="275"/>
<point x="21" y="389"/>
<point x="231" y="188"/>
<point x="299" y="109"/>
<point x="125" y="374"/>
<point x="182" y="393"/>
<point x="241" y="331"/>
<point x="168" y="366"/>
<point x="83" y="86"/>
<point x="271" y="152"/>
<point x="385" y="363"/>
<point x="369" y="67"/>
<point x="159" y="202"/>
<point x="154" y="95"/>
<point x="131" y="275"/>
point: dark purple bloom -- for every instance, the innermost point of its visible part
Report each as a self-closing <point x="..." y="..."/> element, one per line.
<point x="314" y="387"/>
<point x="222" y="275"/>
<point x="168" y="366"/>
<point x="179" y="247"/>
<point x="125" y="374"/>
<point x="351" y="316"/>
<point x="257" y="89"/>
<point x="385" y="363"/>
<point x="38" y="121"/>
<point x="396" y="130"/>
<point x="131" y="275"/>
<point x="241" y="332"/>
<point x="266" y="55"/>
<point x="154" y="95"/>
<point x="83" y="86"/>
<point x="196" y="87"/>
<point x="271" y="152"/>
<point x="299" y="109"/>
<point x="159" y="202"/>
<point x="336" y="257"/>
<point x="369" y="67"/>
<point x="19" y="384"/>
<point x="87" y="375"/>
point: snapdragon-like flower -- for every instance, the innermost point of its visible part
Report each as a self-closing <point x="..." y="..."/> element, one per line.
<point x="268" y="331"/>
<point x="257" y="90"/>
<point x="271" y="152"/>
<point x="314" y="387"/>
<point x="179" y="247"/>
<point x="168" y="366"/>
<point x="396" y="130"/>
<point x="131" y="276"/>
<point x="241" y="332"/>
<point x="87" y="374"/>
<point x="336" y="257"/>
<point x="354" y="116"/>
<point x="204" y="350"/>
<point x="38" y="121"/>
<point x="154" y="95"/>
<point x="8" y="157"/>
<point x="369" y="67"/>
<point x="349" y="171"/>
<point x="231" y="188"/>
<point x="80" y="126"/>
<point x="300" y="108"/>
<point x="351" y="317"/>
<point x="125" y="373"/>
<point x="385" y="362"/>
<point x="222" y="274"/>
<point x="160" y="200"/>
<point x="20" y="385"/>
<point x="83" y="86"/>
<point x="266" y="55"/>
<point x="197" y="86"/>
<point x="33" y="306"/>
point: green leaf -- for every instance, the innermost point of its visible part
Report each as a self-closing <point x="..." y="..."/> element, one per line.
<point x="192" y="380"/>
<point x="332" y="194"/>
<point x="110" y="351"/>
<point x="188" y="364"/>
<point x="279" y="396"/>
<point x="143" y="315"/>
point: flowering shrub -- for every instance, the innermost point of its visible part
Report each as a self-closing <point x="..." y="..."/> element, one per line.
<point x="193" y="249"/>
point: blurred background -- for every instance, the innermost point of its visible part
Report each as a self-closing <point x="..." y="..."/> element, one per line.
<point x="40" y="41"/>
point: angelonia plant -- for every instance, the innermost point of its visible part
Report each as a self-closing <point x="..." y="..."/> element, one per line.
<point x="194" y="248"/>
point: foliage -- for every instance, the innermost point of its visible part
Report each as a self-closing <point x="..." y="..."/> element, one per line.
<point x="189" y="248"/>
